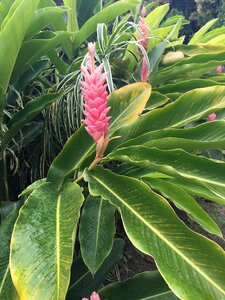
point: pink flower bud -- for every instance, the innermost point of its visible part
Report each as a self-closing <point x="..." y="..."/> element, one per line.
<point x="143" y="12"/>
<point x="219" y="69"/>
<point x="94" y="90"/>
<point x="212" y="117"/>
<point x="94" y="296"/>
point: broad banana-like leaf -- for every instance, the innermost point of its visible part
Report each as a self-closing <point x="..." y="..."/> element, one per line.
<point x="42" y="18"/>
<point x="7" y="290"/>
<point x="185" y="202"/>
<point x="43" y="242"/>
<point x="11" y="39"/>
<point x="106" y="15"/>
<point x="190" y="107"/>
<point x="34" y="49"/>
<point x="153" y="228"/>
<point x="97" y="229"/>
<point x="83" y="283"/>
<point x="185" y="86"/>
<point x="176" y="163"/>
<point x="198" y="35"/>
<point x="146" y="285"/>
<point x="209" y="135"/>
<point x="26" y="114"/>
<point x="126" y="105"/>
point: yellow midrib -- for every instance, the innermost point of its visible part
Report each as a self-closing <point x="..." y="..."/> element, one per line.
<point x="162" y="237"/>
<point x="58" y="245"/>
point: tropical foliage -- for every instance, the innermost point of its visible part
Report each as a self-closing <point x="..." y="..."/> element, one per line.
<point x="59" y="239"/>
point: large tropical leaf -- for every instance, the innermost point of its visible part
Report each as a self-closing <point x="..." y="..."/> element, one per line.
<point x="126" y="105"/>
<point x="11" y="39"/>
<point x="7" y="290"/>
<point x="43" y="240"/>
<point x="147" y="285"/>
<point x="185" y="202"/>
<point x="154" y="229"/>
<point x="210" y="135"/>
<point x="191" y="106"/>
<point x="176" y="163"/>
<point x="97" y="229"/>
<point x="83" y="283"/>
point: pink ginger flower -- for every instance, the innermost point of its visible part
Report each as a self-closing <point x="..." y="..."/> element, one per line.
<point x="143" y="27"/>
<point x="95" y="96"/>
<point x="94" y="296"/>
<point x="212" y="117"/>
<point x="143" y="41"/>
<point x="219" y="69"/>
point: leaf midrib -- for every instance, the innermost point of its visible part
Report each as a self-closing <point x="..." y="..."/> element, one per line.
<point x="157" y="233"/>
<point x="58" y="244"/>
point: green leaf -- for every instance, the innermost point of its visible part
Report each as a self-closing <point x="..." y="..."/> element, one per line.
<point x="156" y="16"/>
<point x="202" y="31"/>
<point x="42" y="18"/>
<point x="83" y="283"/>
<point x="126" y="104"/>
<point x="185" y="86"/>
<point x="153" y="228"/>
<point x="43" y="241"/>
<point x="26" y="114"/>
<point x="176" y="163"/>
<point x="156" y="99"/>
<point x="185" y="202"/>
<point x="190" y="107"/>
<point x="33" y="50"/>
<point x="11" y="39"/>
<point x="32" y="187"/>
<point x="97" y="229"/>
<point x="7" y="290"/>
<point x="210" y="135"/>
<point x="146" y="285"/>
<point x="106" y="15"/>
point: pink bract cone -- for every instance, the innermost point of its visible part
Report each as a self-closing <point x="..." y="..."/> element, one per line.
<point x="143" y="27"/>
<point x="94" y="90"/>
<point x="143" y="41"/>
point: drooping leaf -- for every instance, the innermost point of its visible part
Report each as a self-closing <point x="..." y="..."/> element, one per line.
<point x="43" y="240"/>
<point x="83" y="283"/>
<point x="185" y="202"/>
<point x="176" y="163"/>
<point x="153" y="228"/>
<point x="146" y="285"/>
<point x="97" y="229"/>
